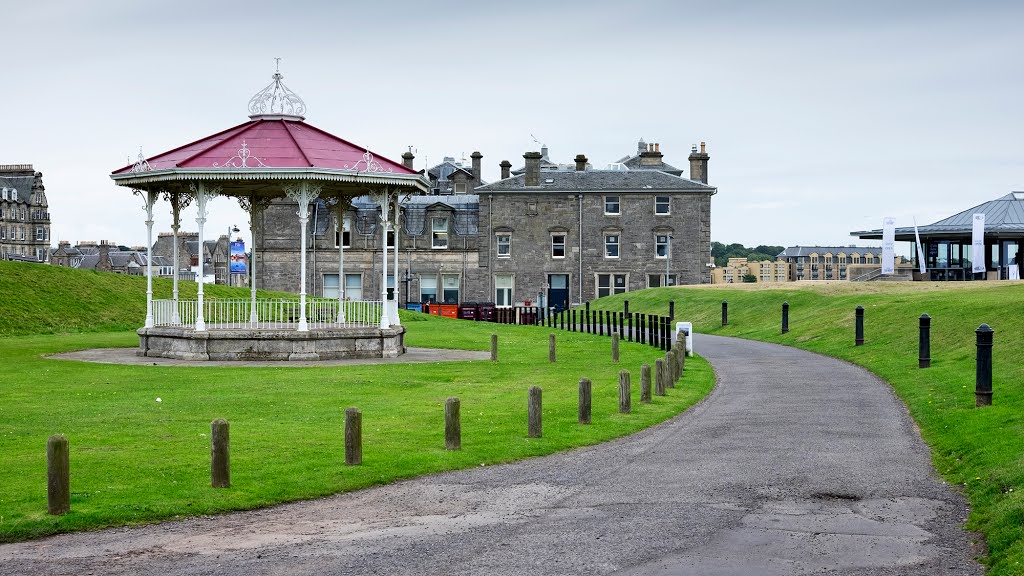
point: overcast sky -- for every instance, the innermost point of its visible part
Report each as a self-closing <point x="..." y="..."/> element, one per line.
<point x="820" y="117"/>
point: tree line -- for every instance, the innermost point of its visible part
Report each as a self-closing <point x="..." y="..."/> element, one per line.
<point x="722" y="252"/>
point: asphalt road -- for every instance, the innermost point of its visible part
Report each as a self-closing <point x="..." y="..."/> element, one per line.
<point x="796" y="464"/>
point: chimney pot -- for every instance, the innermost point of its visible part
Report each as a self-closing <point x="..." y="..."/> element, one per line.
<point x="702" y="148"/>
<point x="506" y="169"/>
<point x="657" y="147"/>
<point x="581" y="163"/>
<point x="407" y="159"/>
<point x="533" y="168"/>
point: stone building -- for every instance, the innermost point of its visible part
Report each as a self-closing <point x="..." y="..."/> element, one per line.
<point x="828" y="262"/>
<point x="554" y="234"/>
<point x="24" y="214"/>
<point x="737" y="270"/>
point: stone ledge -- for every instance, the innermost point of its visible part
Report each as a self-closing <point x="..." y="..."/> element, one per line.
<point x="273" y="345"/>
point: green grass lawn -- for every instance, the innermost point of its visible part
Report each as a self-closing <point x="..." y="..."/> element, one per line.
<point x="134" y="459"/>
<point x="981" y="450"/>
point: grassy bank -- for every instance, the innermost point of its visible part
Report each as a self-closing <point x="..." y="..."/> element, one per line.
<point x="981" y="450"/>
<point x="136" y="459"/>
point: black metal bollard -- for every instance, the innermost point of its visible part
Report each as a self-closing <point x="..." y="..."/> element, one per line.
<point x="859" y="335"/>
<point x="625" y="306"/>
<point x="671" y="308"/>
<point x="924" y="342"/>
<point x="725" y="313"/>
<point x="587" y="330"/>
<point x="785" y="317"/>
<point x="629" y="327"/>
<point x="983" y="371"/>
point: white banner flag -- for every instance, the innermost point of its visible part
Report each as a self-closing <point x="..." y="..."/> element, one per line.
<point x="921" y="256"/>
<point x="888" y="245"/>
<point x="978" y="241"/>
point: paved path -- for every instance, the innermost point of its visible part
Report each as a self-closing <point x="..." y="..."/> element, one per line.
<point x="796" y="464"/>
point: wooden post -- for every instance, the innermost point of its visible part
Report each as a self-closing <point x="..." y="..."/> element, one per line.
<point x="452" y="424"/>
<point x="583" y="410"/>
<point x="659" y="377"/>
<point x="58" y="475"/>
<point x="551" y="347"/>
<point x="625" y="402"/>
<point x="615" y="347"/>
<point x="670" y="370"/>
<point x="494" y="347"/>
<point x="220" y="454"/>
<point x="682" y="357"/>
<point x="353" y="437"/>
<point x="645" y="383"/>
<point x="533" y="414"/>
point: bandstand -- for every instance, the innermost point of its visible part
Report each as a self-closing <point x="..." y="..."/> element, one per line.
<point x="274" y="155"/>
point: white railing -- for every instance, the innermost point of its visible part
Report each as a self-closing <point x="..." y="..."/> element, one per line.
<point x="221" y="314"/>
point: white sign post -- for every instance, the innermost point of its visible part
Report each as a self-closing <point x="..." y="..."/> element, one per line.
<point x="888" y="245"/>
<point x="978" y="241"/>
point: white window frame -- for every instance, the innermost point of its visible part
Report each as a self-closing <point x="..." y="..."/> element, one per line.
<point x="353" y="292"/>
<point x="565" y="241"/>
<point x="611" y="288"/>
<point x="444" y="288"/>
<point x="609" y="245"/>
<point x="508" y="290"/>
<point x="40" y="234"/>
<point x="667" y="204"/>
<point x="658" y="244"/>
<point x="460" y="187"/>
<point x="503" y="239"/>
<point x="438" y="232"/>
<point x="617" y="200"/>
<point x="433" y="278"/>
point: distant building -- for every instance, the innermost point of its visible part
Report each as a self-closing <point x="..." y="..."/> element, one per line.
<point x="763" y="271"/>
<point x="827" y="262"/>
<point x="105" y="256"/>
<point x="24" y="214"/>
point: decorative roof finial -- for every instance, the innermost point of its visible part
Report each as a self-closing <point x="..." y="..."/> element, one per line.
<point x="277" y="100"/>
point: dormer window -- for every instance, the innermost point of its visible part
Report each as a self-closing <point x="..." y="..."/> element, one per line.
<point x="439" y="233"/>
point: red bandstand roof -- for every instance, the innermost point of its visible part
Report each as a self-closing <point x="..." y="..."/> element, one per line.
<point x="272" y="142"/>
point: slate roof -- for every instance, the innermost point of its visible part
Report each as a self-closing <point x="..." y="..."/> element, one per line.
<point x="23" y="184"/>
<point x="633" y="163"/>
<point x="599" y="180"/>
<point x="797" y="251"/>
<point x="1003" y="216"/>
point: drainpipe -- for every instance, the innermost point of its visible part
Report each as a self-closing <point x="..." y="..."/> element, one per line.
<point x="581" y="250"/>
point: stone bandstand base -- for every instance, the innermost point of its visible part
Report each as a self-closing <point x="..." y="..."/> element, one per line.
<point x="272" y="344"/>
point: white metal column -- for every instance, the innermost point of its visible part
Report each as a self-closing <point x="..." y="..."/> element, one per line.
<point x="175" y="226"/>
<point x="339" y="227"/>
<point x="303" y="194"/>
<point x="384" y="216"/>
<point x="397" y="291"/>
<point x="203" y="194"/>
<point x="150" y="200"/>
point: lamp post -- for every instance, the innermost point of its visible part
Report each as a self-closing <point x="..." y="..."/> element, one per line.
<point x="227" y="271"/>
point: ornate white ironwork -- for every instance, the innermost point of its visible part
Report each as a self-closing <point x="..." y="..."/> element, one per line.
<point x="141" y="164"/>
<point x="370" y="164"/>
<point x="277" y="99"/>
<point x="241" y="159"/>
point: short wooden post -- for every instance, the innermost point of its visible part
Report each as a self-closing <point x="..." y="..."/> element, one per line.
<point x="353" y="437"/>
<point x="682" y="355"/>
<point x="533" y="412"/>
<point x="452" y="424"/>
<point x="551" y="347"/>
<point x="220" y="454"/>
<point x="659" y="377"/>
<point x="625" y="402"/>
<point x="58" y="475"/>
<point x="670" y="370"/>
<point x="615" y="347"/>
<point x="645" y="383"/>
<point x="494" y="347"/>
<point x="583" y="410"/>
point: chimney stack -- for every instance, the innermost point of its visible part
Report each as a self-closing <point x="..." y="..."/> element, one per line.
<point x="699" y="164"/>
<point x="407" y="158"/>
<point x="476" y="156"/>
<point x="652" y="156"/>
<point x="104" y="260"/>
<point x="533" y="168"/>
<point x="581" y="162"/>
<point x="506" y="169"/>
